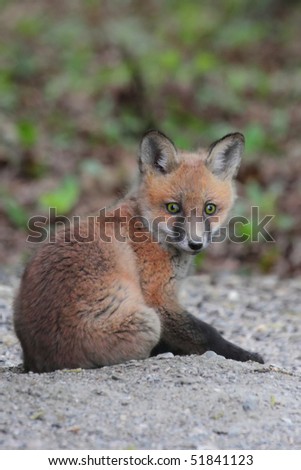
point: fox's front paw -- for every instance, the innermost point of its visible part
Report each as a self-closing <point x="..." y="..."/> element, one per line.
<point x="245" y="356"/>
<point x="256" y="358"/>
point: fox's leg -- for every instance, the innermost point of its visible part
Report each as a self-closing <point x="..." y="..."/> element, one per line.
<point x="182" y="333"/>
<point x="130" y="332"/>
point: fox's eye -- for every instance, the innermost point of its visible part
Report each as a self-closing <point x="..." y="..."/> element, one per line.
<point x="210" y="208"/>
<point x="173" y="207"/>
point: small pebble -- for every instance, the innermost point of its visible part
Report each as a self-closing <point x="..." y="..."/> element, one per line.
<point x="250" y="404"/>
<point x="211" y="355"/>
<point x="233" y="295"/>
<point x="165" y="355"/>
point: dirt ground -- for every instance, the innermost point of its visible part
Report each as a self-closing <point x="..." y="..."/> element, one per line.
<point x="167" y="402"/>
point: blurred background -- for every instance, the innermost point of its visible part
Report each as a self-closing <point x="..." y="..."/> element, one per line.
<point x="80" y="81"/>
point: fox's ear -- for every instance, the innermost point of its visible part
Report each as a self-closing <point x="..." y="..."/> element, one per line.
<point x="157" y="153"/>
<point x="224" y="156"/>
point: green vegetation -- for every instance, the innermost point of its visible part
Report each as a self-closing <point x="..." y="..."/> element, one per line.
<point x="80" y="81"/>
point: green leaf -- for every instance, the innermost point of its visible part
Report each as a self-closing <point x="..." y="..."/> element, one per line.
<point x="245" y="230"/>
<point x="255" y="138"/>
<point x="64" y="197"/>
<point x="15" y="212"/>
<point x="205" y="62"/>
<point x="199" y="261"/>
<point x="27" y="133"/>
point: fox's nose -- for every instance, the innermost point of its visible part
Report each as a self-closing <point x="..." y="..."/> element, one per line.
<point x="195" y="246"/>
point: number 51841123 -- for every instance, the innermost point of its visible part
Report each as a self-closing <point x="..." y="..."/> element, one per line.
<point x="219" y="459"/>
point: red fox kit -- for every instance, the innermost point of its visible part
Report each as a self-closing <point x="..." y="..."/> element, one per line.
<point x="112" y="295"/>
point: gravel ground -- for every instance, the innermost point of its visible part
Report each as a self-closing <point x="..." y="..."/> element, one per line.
<point x="167" y="402"/>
